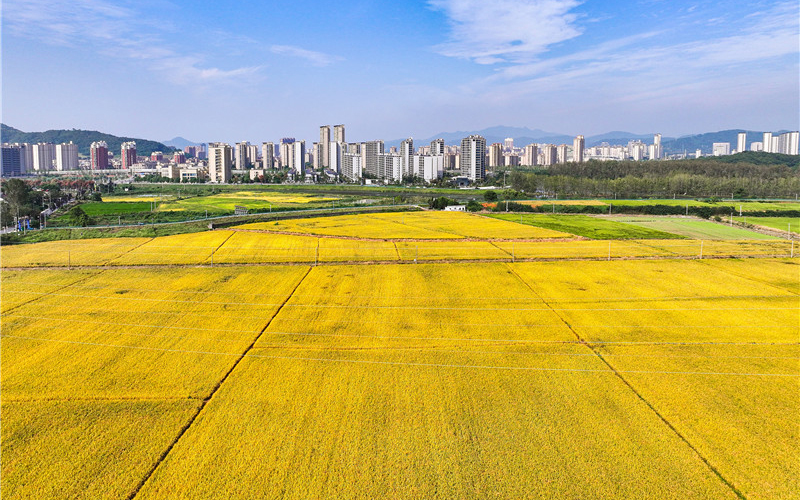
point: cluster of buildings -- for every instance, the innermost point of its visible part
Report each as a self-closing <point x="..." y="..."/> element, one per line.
<point x="334" y="158"/>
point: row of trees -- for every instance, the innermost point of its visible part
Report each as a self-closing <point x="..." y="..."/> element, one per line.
<point x="694" y="178"/>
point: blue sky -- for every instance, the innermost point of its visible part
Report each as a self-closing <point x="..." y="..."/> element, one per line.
<point x="257" y="71"/>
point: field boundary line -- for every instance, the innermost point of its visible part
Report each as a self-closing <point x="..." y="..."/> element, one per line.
<point x="214" y="390"/>
<point x="126" y="252"/>
<point x="669" y="424"/>
<point x="41" y="296"/>
<point x="752" y="278"/>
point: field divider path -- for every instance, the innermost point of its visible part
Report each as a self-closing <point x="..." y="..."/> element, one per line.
<point x="126" y="252"/>
<point x="214" y="390"/>
<point x="672" y="427"/>
<point x="79" y="280"/>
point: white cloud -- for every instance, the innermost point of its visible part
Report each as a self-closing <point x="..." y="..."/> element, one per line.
<point x="316" y="58"/>
<point x="114" y="31"/>
<point x="495" y="31"/>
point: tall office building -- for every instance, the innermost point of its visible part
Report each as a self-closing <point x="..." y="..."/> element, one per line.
<point x="324" y="142"/>
<point x="67" y="156"/>
<point x="220" y="158"/>
<point x="496" y="155"/>
<point x="530" y="156"/>
<point x="437" y="147"/>
<point x="128" y="153"/>
<point x="473" y="157"/>
<point x="44" y="154"/>
<point x="578" y="146"/>
<point x="10" y="164"/>
<point x="407" y="154"/>
<point x="338" y="133"/>
<point x="99" y="155"/>
<point x="267" y="154"/>
<point x="768" y="142"/>
<point x="741" y="142"/>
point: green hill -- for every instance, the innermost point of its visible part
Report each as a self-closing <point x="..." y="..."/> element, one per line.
<point x="83" y="138"/>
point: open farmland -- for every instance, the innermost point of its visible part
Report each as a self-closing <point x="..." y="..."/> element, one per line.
<point x="147" y="373"/>
<point x="694" y="228"/>
<point x="589" y="227"/>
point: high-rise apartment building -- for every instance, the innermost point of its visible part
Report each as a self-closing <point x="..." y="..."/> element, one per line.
<point x="788" y="143"/>
<point x="578" y="147"/>
<point x="44" y="155"/>
<point x="473" y="157"/>
<point x="496" y="155"/>
<point x="561" y="153"/>
<point x="530" y="156"/>
<point x="267" y="154"/>
<point x="220" y="158"/>
<point x="437" y="147"/>
<point x="241" y="154"/>
<point x="351" y="166"/>
<point x="128" y="153"/>
<point x="768" y="142"/>
<point x="429" y="167"/>
<point x="99" y="155"/>
<point x="508" y="144"/>
<point x="407" y="155"/>
<point x="287" y="152"/>
<point x="658" y="150"/>
<point x="10" y="164"/>
<point x="741" y="142"/>
<point x="179" y="158"/>
<point x="549" y="155"/>
<point x="369" y="154"/>
<point x="338" y="133"/>
<point x="67" y="157"/>
<point x="299" y="156"/>
<point x="335" y="152"/>
<point x="25" y="157"/>
<point x="721" y="148"/>
<point x="324" y="146"/>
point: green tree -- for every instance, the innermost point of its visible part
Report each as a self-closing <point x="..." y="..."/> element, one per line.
<point x="490" y="195"/>
<point x="77" y="217"/>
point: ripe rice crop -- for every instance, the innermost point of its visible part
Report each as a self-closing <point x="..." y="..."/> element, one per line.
<point x="56" y="345"/>
<point x="85" y="449"/>
<point x="193" y="248"/>
<point x="93" y="252"/>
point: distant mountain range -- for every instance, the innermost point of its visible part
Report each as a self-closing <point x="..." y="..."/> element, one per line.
<point x="180" y="143"/>
<point x="83" y="138"/>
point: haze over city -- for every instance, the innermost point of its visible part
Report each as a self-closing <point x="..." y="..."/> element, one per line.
<point x="256" y="70"/>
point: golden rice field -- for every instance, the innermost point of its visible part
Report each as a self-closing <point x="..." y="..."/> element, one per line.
<point x="563" y="379"/>
<point x="410" y="225"/>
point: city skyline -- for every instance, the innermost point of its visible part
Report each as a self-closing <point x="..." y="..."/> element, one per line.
<point x="156" y="69"/>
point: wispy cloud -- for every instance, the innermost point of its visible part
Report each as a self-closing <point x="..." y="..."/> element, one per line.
<point x="315" y="58"/>
<point x="489" y="32"/>
<point x="638" y="67"/>
<point x="115" y="31"/>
